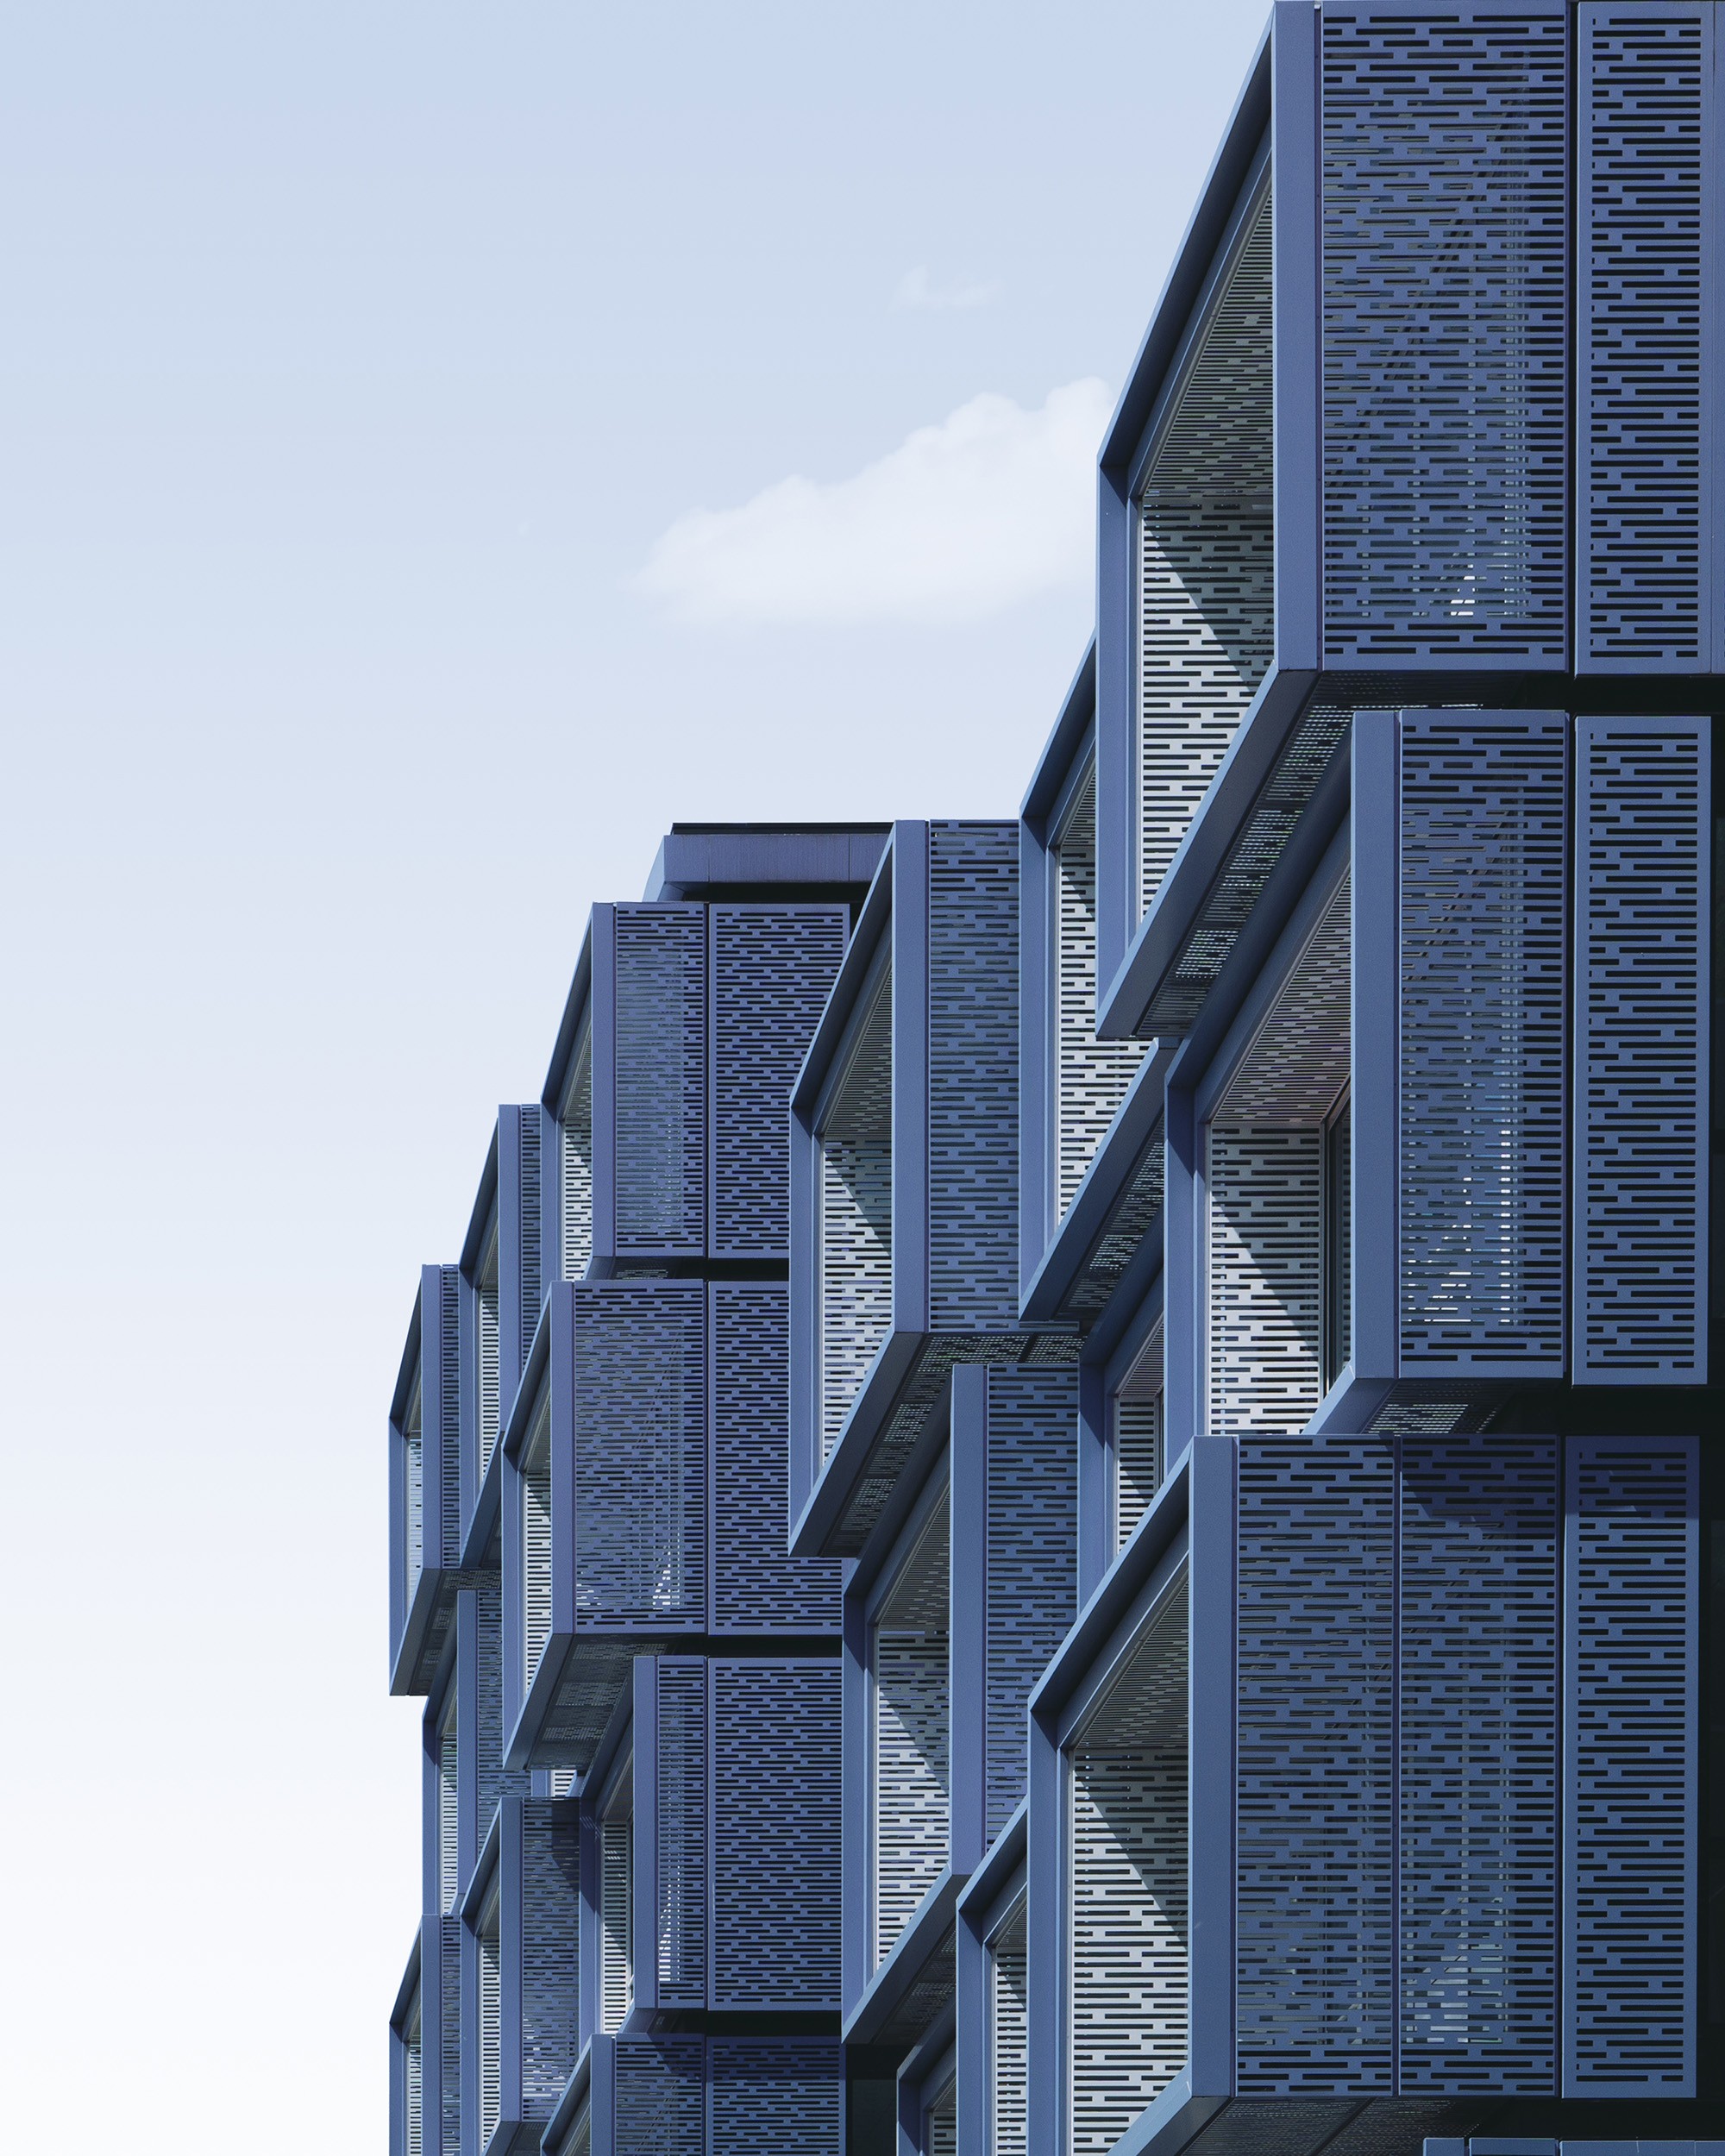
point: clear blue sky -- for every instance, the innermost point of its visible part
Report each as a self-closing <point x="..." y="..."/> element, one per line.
<point x="365" y="369"/>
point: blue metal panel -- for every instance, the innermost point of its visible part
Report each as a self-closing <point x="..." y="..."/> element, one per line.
<point x="658" y="1070"/>
<point x="1647" y="435"/>
<point x="1444" y="238"/>
<point x="670" y="1832"/>
<point x="770" y="969"/>
<point x="1631" y="1597"/>
<point x="542" y="1933"/>
<point x="1375" y="1045"/>
<point x="755" y="1585"/>
<point x="1643" y="960"/>
<point x="657" y="2097"/>
<point x="911" y="1079"/>
<point x="773" y="2096"/>
<point x="520" y="1197"/>
<point x="773" y="1920"/>
<point x="1294" y="196"/>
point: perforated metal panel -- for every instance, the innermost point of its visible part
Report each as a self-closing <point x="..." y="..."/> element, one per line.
<point x="775" y="1834"/>
<point x="1091" y="1075"/>
<point x="575" y="1129"/>
<point x="973" y="1075"/>
<point x="641" y="1454"/>
<point x="1630" y="1606"/>
<point x="1643" y="249"/>
<point x="910" y="1656"/>
<point x="447" y="1350"/>
<point x="942" y="2138"/>
<point x="413" y="1493"/>
<point x="488" y="1943"/>
<point x="1032" y="1557"/>
<point x="532" y="1244"/>
<point x="1205" y="558"/>
<point x="1481" y="1151"/>
<point x="1138" y="1439"/>
<point x="550" y="1954"/>
<point x="755" y="1587"/>
<point x="679" y="1918"/>
<point x="1477" y="1743"/>
<point x="449" y="2032"/>
<point x="1643" y="798"/>
<point x="448" y="1806"/>
<point x="772" y="969"/>
<point x="1008" y="2038"/>
<point x="1315" y="1835"/>
<point x="489" y="1780"/>
<point x="769" y="2097"/>
<point x="856" y="1211"/>
<point x="536" y="1540"/>
<point x="661" y="1012"/>
<point x="490" y="1374"/>
<point x="616" y="1917"/>
<point x="1445" y="333"/>
<point x="413" y="2089"/>
<point x="660" y="2096"/>
<point x="1265" y="1193"/>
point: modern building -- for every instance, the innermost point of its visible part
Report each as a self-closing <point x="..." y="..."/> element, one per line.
<point x="1069" y="1497"/>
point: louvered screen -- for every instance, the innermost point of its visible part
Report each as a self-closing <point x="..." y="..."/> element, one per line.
<point x="1127" y="1794"/>
<point x="579" y="2142"/>
<point x="1646" y="252"/>
<point x="531" y="1273"/>
<point x="910" y="1668"/>
<point x="942" y="2126"/>
<point x="1315" y="2009"/>
<point x="1091" y="1075"/>
<point x="448" y="1431"/>
<point x="1137" y="1438"/>
<point x="413" y="2089"/>
<point x="1478" y="1739"/>
<point x="769" y="2097"/>
<point x="973" y="1075"/>
<point x="616" y="1917"/>
<point x="550" y="1954"/>
<point x="1265" y="1192"/>
<point x="575" y="1145"/>
<point x="660" y="2096"/>
<point x="1643" y="799"/>
<point x="490" y="1374"/>
<point x="856" y="1211"/>
<point x="489" y="1943"/>
<point x="661" y="1015"/>
<point x="448" y="1806"/>
<point x="775" y="1834"/>
<point x="1481" y="1140"/>
<point x="536" y="1540"/>
<point x="641" y="1454"/>
<point x="772" y="969"/>
<point x="1445" y="333"/>
<point x="755" y="1587"/>
<point x="449" y="2032"/>
<point x="413" y="1497"/>
<point x="1630" y="1604"/>
<point x="679" y="1919"/>
<point x="1032" y="1557"/>
<point x="1009" y="2039"/>
<point x="1206" y="600"/>
<point x="488" y="1777"/>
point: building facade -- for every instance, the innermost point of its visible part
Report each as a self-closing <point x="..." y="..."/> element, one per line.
<point x="1067" y="1501"/>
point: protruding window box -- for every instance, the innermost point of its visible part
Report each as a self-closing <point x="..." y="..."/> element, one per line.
<point x="686" y="2095"/>
<point x="993" y="2029"/>
<point x="928" y="2096"/>
<point x="606" y="1507"/>
<point x="521" y="1993"/>
<point x="505" y="1278"/>
<point x="903" y="1174"/>
<point x="424" y="1484"/>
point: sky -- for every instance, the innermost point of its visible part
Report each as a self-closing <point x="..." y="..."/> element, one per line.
<point x="439" y="446"/>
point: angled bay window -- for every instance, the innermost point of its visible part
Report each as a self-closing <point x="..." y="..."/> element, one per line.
<point x="424" y="1469"/>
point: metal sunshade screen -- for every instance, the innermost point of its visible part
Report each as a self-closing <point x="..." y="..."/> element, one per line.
<point x="856" y="1211"/>
<point x="616" y="1908"/>
<point x="449" y="2034"/>
<point x="1032" y="1557"/>
<point x="1009" y="2040"/>
<point x="1137" y="1438"/>
<point x="942" y="2126"/>
<point x="447" y="1350"/>
<point x="575" y="1147"/>
<point x="973" y="1075"/>
<point x="1129" y="1957"/>
<point x="535" y="1541"/>
<point x="679" y="1920"/>
<point x="488" y="1941"/>
<point x="490" y="1374"/>
<point x="755" y="1587"/>
<point x="772" y="969"/>
<point x="641" y="1454"/>
<point x="1315" y="1990"/>
<point x="911" y="1674"/>
<point x="550" y="1957"/>
<point x="661" y="1079"/>
<point x="489" y="1778"/>
<point x="448" y="1806"/>
<point x="1091" y="1075"/>
<point x="1630" y="1604"/>
<point x="773" y="2098"/>
<point x="660" y="2096"/>
<point x="1643" y="796"/>
<point x="1483" y="892"/>
<point x="413" y="1447"/>
<point x="529" y="1256"/>
<point x="775" y="1835"/>
<point x="1265" y="1192"/>
<point x="1647" y="251"/>
<point x="1206" y="595"/>
<point x="1479" y="1761"/>
<point x="1445" y="333"/>
<point x="413" y="2094"/>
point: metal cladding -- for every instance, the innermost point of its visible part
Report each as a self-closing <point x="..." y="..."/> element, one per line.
<point x="1067" y="1497"/>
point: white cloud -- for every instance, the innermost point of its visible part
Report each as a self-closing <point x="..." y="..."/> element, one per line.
<point x="918" y="293"/>
<point x="995" y="505"/>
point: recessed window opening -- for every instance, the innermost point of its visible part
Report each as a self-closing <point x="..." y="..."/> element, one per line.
<point x="1204" y="574"/>
<point x="1128" y="1980"/>
<point x="413" y="1449"/>
<point x="1009" y="2036"/>
<point x="1139" y="1442"/>
<point x="574" y="1125"/>
<point x="536" y="1540"/>
<point x="910" y="1665"/>
<point x="616" y="1907"/>
<point x="1269" y="1158"/>
<point x="490" y="1375"/>
<point x="856" y="1146"/>
<point x="448" y="1805"/>
<point x="489" y="1941"/>
<point x="1090" y="1076"/>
